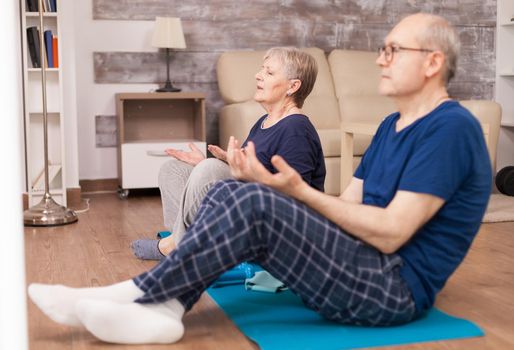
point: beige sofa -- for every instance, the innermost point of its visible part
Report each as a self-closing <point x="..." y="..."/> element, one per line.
<point x="345" y="93"/>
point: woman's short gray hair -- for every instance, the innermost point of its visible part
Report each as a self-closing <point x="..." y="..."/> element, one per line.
<point x="440" y="35"/>
<point x="297" y="65"/>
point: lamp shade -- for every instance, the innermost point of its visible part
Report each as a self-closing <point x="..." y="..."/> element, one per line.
<point x="168" y="33"/>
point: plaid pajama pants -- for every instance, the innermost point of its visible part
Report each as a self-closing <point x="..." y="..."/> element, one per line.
<point x="342" y="278"/>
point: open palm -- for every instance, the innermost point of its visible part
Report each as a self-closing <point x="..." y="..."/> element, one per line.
<point x="193" y="157"/>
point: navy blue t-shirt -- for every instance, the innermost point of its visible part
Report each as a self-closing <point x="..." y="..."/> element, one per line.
<point x="295" y="139"/>
<point x="443" y="154"/>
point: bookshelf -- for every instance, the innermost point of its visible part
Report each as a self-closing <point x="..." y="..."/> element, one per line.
<point x="505" y="60"/>
<point x="33" y="105"/>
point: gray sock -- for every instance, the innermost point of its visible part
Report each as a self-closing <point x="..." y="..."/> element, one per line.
<point x="147" y="249"/>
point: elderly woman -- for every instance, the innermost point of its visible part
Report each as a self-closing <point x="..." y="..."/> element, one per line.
<point x="284" y="81"/>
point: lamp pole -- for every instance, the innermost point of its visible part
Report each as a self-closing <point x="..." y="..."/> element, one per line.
<point x="167" y="86"/>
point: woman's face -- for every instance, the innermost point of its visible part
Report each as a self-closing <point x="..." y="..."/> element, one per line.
<point x="272" y="84"/>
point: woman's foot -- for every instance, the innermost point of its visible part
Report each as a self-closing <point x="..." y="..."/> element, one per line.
<point x="147" y="249"/>
<point x="167" y="245"/>
<point x="153" y="249"/>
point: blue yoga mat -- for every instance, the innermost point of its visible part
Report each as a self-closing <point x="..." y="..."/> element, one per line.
<point x="280" y="321"/>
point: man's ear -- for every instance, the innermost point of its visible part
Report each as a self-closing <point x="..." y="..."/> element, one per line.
<point x="435" y="63"/>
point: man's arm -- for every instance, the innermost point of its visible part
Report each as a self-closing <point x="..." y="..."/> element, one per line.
<point x="353" y="193"/>
<point x="387" y="229"/>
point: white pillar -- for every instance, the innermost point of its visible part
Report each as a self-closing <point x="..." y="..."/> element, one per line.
<point x="13" y="314"/>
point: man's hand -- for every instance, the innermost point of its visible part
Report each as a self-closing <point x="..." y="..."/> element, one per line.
<point x="194" y="157"/>
<point x="218" y="152"/>
<point x="245" y="165"/>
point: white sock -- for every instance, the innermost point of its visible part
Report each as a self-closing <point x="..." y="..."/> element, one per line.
<point x="132" y="323"/>
<point x="58" y="302"/>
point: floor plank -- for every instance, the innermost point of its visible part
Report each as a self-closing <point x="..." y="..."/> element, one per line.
<point x="96" y="252"/>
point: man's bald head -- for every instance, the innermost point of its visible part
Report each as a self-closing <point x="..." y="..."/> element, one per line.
<point x="436" y="33"/>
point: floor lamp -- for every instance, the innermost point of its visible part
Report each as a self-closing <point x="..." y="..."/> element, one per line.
<point x="47" y="212"/>
<point x="168" y="34"/>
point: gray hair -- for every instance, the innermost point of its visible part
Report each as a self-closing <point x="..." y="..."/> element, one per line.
<point x="440" y="35"/>
<point x="297" y="65"/>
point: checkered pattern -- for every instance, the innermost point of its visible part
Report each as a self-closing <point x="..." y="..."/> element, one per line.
<point x="342" y="278"/>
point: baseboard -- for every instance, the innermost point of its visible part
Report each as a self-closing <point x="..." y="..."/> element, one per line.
<point x="100" y="185"/>
<point x="73" y="196"/>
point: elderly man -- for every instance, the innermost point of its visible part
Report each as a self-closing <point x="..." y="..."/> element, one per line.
<point x="378" y="255"/>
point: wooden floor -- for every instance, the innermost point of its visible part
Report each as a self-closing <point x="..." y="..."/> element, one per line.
<point x="96" y="252"/>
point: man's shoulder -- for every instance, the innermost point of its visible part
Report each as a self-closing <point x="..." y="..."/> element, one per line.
<point x="453" y="116"/>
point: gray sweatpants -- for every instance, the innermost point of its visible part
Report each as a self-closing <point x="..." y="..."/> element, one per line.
<point x="183" y="188"/>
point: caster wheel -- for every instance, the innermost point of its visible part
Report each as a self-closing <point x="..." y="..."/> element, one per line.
<point x="123" y="194"/>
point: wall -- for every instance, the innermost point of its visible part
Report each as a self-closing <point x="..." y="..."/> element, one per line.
<point x="114" y="54"/>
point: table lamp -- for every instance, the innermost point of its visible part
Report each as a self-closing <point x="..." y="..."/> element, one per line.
<point x="168" y="34"/>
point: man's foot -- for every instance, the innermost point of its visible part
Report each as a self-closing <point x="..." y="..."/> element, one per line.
<point x="132" y="323"/>
<point x="58" y="302"/>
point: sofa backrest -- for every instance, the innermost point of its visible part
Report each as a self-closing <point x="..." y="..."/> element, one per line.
<point x="356" y="78"/>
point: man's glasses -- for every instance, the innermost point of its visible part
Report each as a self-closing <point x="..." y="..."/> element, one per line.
<point x="390" y="50"/>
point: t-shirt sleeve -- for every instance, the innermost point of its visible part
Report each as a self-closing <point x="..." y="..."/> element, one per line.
<point x="300" y="153"/>
<point x="440" y="163"/>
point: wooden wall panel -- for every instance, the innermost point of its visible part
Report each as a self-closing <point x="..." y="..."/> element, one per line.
<point x="477" y="12"/>
<point x="214" y="26"/>
<point x="150" y="67"/>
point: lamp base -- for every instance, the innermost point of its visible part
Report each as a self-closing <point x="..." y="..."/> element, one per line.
<point x="165" y="89"/>
<point x="168" y="88"/>
<point x="48" y="213"/>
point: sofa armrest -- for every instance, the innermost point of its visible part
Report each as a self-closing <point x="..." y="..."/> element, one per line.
<point x="348" y="130"/>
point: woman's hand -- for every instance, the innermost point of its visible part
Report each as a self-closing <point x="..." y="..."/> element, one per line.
<point x="194" y="157"/>
<point x="218" y="152"/>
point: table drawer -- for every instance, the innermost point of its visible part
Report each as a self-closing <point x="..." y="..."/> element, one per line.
<point x="140" y="162"/>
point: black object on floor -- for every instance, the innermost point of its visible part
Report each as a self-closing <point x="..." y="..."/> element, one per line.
<point x="505" y="180"/>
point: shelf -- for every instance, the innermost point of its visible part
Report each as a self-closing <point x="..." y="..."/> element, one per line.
<point x="38" y="70"/>
<point x="508" y="24"/>
<point x="45" y="14"/>
<point x="53" y="191"/>
<point x="40" y="114"/>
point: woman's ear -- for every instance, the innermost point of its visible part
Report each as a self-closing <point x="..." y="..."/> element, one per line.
<point x="294" y="85"/>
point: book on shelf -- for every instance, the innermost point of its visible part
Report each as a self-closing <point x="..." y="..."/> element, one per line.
<point x="32" y="5"/>
<point x="49" y="49"/>
<point x="55" y="43"/>
<point x="53" y="5"/>
<point x="33" y="46"/>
